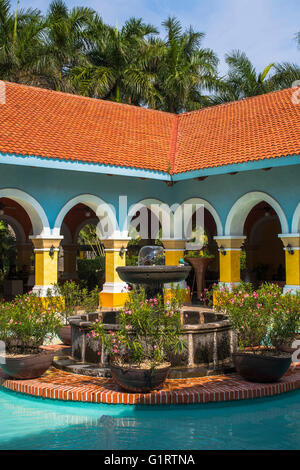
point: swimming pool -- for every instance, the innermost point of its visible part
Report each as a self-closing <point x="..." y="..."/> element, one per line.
<point x="28" y="423"/>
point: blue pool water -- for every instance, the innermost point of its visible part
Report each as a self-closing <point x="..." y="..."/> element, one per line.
<point x="33" y="423"/>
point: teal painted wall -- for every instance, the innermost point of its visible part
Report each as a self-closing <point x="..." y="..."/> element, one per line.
<point x="54" y="188"/>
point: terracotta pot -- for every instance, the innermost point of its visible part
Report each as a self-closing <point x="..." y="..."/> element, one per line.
<point x="27" y="367"/>
<point x="260" y="368"/>
<point x="200" y="266"/>
<point x="64" y="335"/>
<point x="139" y="380"/>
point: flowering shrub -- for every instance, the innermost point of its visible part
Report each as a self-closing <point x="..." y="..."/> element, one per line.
<point x="262" y="317"/>
<point x="73" y="297"/>
<point x="148" y="330"/>
<point x="26" y="321"/>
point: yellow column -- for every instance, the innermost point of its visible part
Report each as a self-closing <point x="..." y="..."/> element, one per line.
<point x="24" y="253"/>
<point x="174" y="251"/>
<point x="114" y="293"/>
<point x="70" y="262"/>
<point x="46" y="257"/>
<point x="291" y="244"/>
<point x="230" y="257"/>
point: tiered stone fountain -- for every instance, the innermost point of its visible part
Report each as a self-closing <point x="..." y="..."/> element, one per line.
<point x="207" y="334"/>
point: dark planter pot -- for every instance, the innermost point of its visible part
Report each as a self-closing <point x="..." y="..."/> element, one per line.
<point x="139" y="380"/>
<point x="64" y="335"/>
<point x="263" y="369"/>
<point x="28" y="367"/>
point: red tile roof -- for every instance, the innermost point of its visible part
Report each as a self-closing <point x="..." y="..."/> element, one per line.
<point x="261" y="127"/>
<point x="49" y="124"/>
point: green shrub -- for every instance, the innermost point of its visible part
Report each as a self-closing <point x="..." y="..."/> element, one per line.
<point x="261" y="317"/>
<point x="27" y="321"/>
<point x="91" y="271"/>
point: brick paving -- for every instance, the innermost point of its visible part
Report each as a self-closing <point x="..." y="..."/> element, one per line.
<point x="59" y="385"/>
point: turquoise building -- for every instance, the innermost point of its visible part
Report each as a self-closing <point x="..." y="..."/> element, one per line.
<point x="67" y="161"/>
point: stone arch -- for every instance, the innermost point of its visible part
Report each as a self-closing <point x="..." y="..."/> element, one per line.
<point x="16" y="226"/>
<point x="238" y="213"/>
<point x="296" y="220"/>
<point x="156" y="206"/>
<point x="198" y="201"/>
<point x="37" y="215"/>
<point x="104" y="211"/>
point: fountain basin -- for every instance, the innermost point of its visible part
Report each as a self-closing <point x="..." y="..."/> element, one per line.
<point x="153" y="275"/>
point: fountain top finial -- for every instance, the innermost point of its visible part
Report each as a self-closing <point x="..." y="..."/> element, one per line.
<point x="151" y="255"/>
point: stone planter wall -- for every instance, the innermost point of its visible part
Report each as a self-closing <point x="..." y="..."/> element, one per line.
<point x="208" y="337"/>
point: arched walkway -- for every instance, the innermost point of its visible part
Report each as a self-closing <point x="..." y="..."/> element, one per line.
<point x="162" y="212"/>
<point x="238" y="213"/>
<point x="37" y="215"/>
<point x="108" y="225"/>
<point x="16" y="226"/>
<point x="179" y="214"/>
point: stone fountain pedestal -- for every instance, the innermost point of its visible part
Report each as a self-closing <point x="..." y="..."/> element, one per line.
<point x="208" y="336"/>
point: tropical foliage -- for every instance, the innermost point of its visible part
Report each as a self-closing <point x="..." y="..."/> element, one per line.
<point x="242" y="80"/>
<point x="74" y="50"/>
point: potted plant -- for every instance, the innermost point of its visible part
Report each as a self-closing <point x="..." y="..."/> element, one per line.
<point x="25" y="323"/>
<point x="263" y="321"/>
<point x="73" y="298"/>
<point x="148" y="332"/>
<point x="200" y="260"/>
<point x="69" y="292"/>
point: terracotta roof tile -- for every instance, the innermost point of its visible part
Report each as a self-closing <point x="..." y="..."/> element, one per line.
<point x="50" y="124"/>
<point x="57" y="125"/>
<point x="260" y="127"/>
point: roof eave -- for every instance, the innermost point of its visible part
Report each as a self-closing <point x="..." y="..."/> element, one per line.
<point x="76" y="165"/>
<point x="260" y="164"/>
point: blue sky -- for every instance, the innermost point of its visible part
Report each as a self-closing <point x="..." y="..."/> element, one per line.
<point x="264" y="29"/>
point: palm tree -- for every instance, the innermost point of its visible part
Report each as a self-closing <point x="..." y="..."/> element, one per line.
<point x="242" y="80"/>
<point x="184" y="69"/>
<point x="63" y="44"/>
<point x="286" y="74"/>
<point x="117" y="67"/>
<point x="20" y="34"/>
